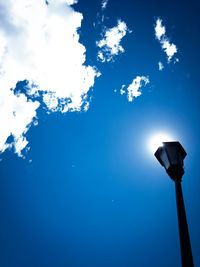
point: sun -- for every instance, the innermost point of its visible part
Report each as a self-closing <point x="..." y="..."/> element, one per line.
<point x="157" y="139"/>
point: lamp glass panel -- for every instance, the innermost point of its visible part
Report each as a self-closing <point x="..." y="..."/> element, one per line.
<point x="164" y="158"/>
<point x="174" y="155"/>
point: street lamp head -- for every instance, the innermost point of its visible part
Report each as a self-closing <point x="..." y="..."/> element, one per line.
<point x="171" y="156"/>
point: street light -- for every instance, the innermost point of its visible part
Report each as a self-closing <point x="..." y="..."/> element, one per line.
<point x="171" y="156"/>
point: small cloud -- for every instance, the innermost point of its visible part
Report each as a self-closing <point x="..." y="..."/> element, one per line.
<point x="100" y="15"/>
<point x="159" y="29"/>
<point x="109" y="45"/>
<point x="122" y="91"/>
<point x="160" y="66"/>
<point x="104" y="4"/>
<point x="169" y="48"/>
<point x="133" y="90"/>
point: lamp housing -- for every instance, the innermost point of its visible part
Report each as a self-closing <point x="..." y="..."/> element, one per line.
<point x="171" y="156"/>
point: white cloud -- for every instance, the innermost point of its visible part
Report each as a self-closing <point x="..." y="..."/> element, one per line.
<point x="39" y="43"/>
<point x="159" y="29"/>
<point x="109" y="46"/>
<point x="122" y="91"/>
<point x="160" y="32"/>
<point x="133" y="90"/>
<point x="16" y="115"/>
<point x="170" y="49"/>
<point x="70" y="2"/>
<point x="160" y="65"/>
<point x="104" y="4"/>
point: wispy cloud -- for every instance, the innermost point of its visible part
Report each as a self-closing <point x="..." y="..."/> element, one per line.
<point x="104" y="4"/>
<point x="160" y="32"/>
<point x="39" y="43"/>
<point x="160" y="66"/>
<point x="109" y="46"/>
<point x="159" y="29"/>
<point x="133" y="90"/>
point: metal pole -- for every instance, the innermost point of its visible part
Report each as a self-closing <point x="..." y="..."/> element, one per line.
<point x="186" y="251"/>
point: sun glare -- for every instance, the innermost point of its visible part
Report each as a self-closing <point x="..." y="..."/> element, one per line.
<point x="156" y="141"/>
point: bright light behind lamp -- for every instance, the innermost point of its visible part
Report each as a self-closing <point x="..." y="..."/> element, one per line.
<point x="157" y="139"/>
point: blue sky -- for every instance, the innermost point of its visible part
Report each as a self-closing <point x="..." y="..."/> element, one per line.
<point x="79" y="185"/>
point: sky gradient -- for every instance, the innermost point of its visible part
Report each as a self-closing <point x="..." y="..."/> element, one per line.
<point x="86" y="190"/>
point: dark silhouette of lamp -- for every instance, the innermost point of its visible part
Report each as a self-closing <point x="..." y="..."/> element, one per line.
<point x="171" y="156"/>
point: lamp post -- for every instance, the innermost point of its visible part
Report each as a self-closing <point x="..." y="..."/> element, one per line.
<point x="171" y="156"/>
